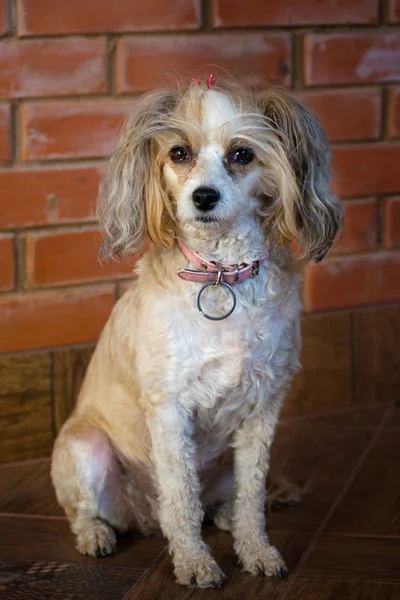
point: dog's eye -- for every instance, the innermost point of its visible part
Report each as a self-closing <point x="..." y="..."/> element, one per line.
<point x="179" y="154"/>
<point x="242" y="156"/>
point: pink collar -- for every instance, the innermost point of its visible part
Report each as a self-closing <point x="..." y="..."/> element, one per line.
<point x="213" y="272"/>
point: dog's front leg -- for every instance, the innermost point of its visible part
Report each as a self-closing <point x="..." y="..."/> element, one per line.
<point x="252" y="443"/>
<point x="180" y="510"/>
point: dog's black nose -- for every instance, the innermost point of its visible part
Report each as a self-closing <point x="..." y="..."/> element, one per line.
<point x="205" y="198"/>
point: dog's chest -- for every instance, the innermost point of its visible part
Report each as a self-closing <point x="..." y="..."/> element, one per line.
<point x="223" y="369"/>
<point x="231" y="386"/>
<point x="221" y="372"/>
<point x="228" y="371"/>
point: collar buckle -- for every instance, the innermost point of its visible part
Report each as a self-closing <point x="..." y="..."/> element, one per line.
<point x="256" y="268"/>
<point x="219" y="276"/>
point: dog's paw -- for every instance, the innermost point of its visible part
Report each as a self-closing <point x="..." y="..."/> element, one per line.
<point x="262" y="559"/>
<point x="98" y="539"/>
<point x="202" y="572"/>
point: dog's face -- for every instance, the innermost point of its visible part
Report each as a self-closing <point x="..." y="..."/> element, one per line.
<point x="213" y="173"/>
<point x="209" y="157"/>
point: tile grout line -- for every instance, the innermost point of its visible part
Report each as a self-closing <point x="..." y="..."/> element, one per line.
<point x="28" y="461"/>
<point x="32" y="516"/>
<point x="335" y="413"/>
<point x="335" y="504"/>
<point x="128" y="595"/>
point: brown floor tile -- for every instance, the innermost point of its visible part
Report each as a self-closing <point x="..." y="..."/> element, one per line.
<point x="304" y="453"/>
<point x="377" y="354"/>
<point x="238" y="586"/>
<point x="371" y="505"/>
<point x="360" y="418"/>
<point x="394" y="421"/>
<point x="46" y="539"/>
<point x="27" y="489"/>
<point x="307" y="516"/>
<point x="324" y="383"/>
<point x="355" y="557"/>
<point x="325" y="589"/>
<point x="320" y="459"/>
<point x="28" y="580"/>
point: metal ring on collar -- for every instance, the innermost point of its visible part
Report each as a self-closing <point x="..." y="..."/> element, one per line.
<point x="222" y="317"/>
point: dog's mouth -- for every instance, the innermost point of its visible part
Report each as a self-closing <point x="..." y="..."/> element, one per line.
<point x="206" y="219"/>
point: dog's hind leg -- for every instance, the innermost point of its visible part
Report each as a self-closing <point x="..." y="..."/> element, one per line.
<point x="87" y="478"/>
<point x="222" y="517"/>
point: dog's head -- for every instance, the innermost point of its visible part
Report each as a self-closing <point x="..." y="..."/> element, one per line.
<point x="209" y="157"/>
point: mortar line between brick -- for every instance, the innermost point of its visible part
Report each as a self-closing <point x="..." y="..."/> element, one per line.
<point x="11" y="17"/>
<point x="385" y="114"/>
<point x="383" y="13"/>
<point x="198" y="31"/>
<point x="380" y="223"/>
<point x="206" y="16"/>
<point x="354" y="86"/>
<point x="111" y="66"/>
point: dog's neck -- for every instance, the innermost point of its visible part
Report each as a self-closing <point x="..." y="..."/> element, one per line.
<point x="241" y="242"/>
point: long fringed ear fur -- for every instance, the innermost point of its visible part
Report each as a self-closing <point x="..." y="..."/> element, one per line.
<point x="132" y="203"/>
<point x="317" y="213"/>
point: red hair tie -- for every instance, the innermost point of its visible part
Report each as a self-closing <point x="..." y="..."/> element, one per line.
<point x="210" y="81"/>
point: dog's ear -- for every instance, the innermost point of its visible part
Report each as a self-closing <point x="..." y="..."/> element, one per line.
<point x="132" y="203"/>
<point x="317" y="214"/>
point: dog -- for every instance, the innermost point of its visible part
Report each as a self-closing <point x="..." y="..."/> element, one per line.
<point x="181" y="399"/>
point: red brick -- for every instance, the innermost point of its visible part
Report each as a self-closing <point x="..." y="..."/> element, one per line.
<point x="356" y="57"/>
<point x="5" y="133"/>
<point x="294" y="12"/>
<point x="146" y="62"/>
<point x="52" y="67"/>
<point x="3" y="17"/>
<point x="394" y="112"/>
<point x="360" y="232"/>
<point x="370" y="169"/>
<point x="348" y="281"/>
<point x="43" y="196"/>
<point x="66" y="129"/>
<point x="41" y="17"/>
<point x="6" y="262"/>
<point x="55" y="318"/>
<point x="392" y="222"/>
<point x="346" y="114"/>
<point x="394" y="11"/>
<point x="68" y="256"/>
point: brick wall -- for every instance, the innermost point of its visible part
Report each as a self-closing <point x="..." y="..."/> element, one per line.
<point x="71" y="70"/>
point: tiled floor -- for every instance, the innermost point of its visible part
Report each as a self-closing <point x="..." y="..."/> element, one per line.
<point x="342" y="541"/>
